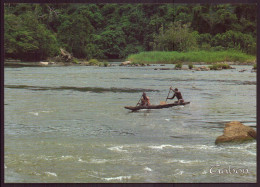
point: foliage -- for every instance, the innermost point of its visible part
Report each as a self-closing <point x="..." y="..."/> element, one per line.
<point x="75" y="61"/>
<point x="37" y="31"/>
<point x="168" y="57"/>
<point x="190" y="65"/>
<point x="235" y="40"/>
<point x="175" y="38"/>
<point x="219" y="66"/>
<point x="74" y="33"/>
<point x="105" y="64"/>
<point x="137" y="64"/>
<point x="178" y="65"/>
<point x="94" y="62"/>
<point x="27" y="39"/>
<point x="113" y="42"/>
<point x="255" y="66"/>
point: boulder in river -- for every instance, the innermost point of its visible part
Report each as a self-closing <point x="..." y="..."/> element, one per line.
<point x="236" y="132"/>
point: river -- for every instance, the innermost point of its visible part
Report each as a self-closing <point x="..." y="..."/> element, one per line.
<point x="68" y="125"/>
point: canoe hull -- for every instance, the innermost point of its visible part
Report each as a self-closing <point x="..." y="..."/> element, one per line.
<point x="134" y="108"/>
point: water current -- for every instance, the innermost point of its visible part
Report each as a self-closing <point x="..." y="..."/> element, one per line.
<point x="68" y="124"/>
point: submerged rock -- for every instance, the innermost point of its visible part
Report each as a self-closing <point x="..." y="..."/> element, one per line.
<point x="236" y="132"/>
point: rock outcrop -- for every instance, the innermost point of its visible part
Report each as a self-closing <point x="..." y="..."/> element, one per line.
<point x="236" y="132"/>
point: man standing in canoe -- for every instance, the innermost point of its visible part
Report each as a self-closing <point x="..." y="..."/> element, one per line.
<point x="177" y="93"/>
<point x="145" y="101"/>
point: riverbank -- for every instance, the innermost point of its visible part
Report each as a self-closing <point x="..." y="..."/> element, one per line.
<point x="184" y="66"/>
<point x="75" y="62"/>
<point x="230" y="57"/>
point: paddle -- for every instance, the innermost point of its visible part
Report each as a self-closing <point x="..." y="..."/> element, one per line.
<point x="168" y="94"/>
<point x="164" y="102"/>
<point x="139" y="100"/>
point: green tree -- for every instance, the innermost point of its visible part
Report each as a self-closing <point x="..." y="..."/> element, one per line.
<point x="175" y="38"/>
<point x="75" y="34"/>
<point x="27" y="39"/>
<point x="37" y="31"/>
<point x="113" y="42"/>
<point x="236" y="40"/>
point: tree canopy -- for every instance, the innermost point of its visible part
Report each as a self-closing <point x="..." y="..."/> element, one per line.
<point x="37" y="31"/>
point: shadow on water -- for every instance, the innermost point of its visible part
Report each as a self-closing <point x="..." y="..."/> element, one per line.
<point x="81" y="89"/>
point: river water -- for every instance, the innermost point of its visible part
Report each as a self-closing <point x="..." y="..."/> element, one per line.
<point x="68" y="124"/>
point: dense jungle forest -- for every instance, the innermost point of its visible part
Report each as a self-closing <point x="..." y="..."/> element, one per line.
<point x="34" y="32"/>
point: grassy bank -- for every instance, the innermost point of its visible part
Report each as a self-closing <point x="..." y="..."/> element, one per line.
<point x="172" y="57"/>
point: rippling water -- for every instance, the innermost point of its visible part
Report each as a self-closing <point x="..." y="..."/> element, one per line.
<point x="68" y="124"/>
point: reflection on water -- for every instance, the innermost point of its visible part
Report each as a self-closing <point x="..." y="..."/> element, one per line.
<point x="68" y="124"/>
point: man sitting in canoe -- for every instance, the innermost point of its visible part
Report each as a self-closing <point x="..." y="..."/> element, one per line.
<point x="177" y="93"/>
<point x="145" y="101"/>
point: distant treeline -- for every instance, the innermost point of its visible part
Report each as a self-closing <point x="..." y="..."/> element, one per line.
<point x="37" y="31"/>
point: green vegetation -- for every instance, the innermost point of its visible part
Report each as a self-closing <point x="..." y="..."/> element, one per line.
<point x="101" y="31"/>
<point x="75" y="61"/>
<point x="27" y="38"/>
<point x="190" y="65"/>
<point x="176" y="38"/>
<point x="94" y="62"/>
<point x="178" y="65"/>
<point x="219" y="66"/>
<point x="105" y="64"/>
<point x="193" y="56"/>
<point x="137" y="64"/>
<point x="255" y="66"/>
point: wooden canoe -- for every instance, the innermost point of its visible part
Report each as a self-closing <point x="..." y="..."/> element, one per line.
<point x="134" y="108"/>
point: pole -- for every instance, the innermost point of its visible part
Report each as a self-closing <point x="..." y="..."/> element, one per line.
<point x="139" y="100"/>
<point x="168" y="94"/>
